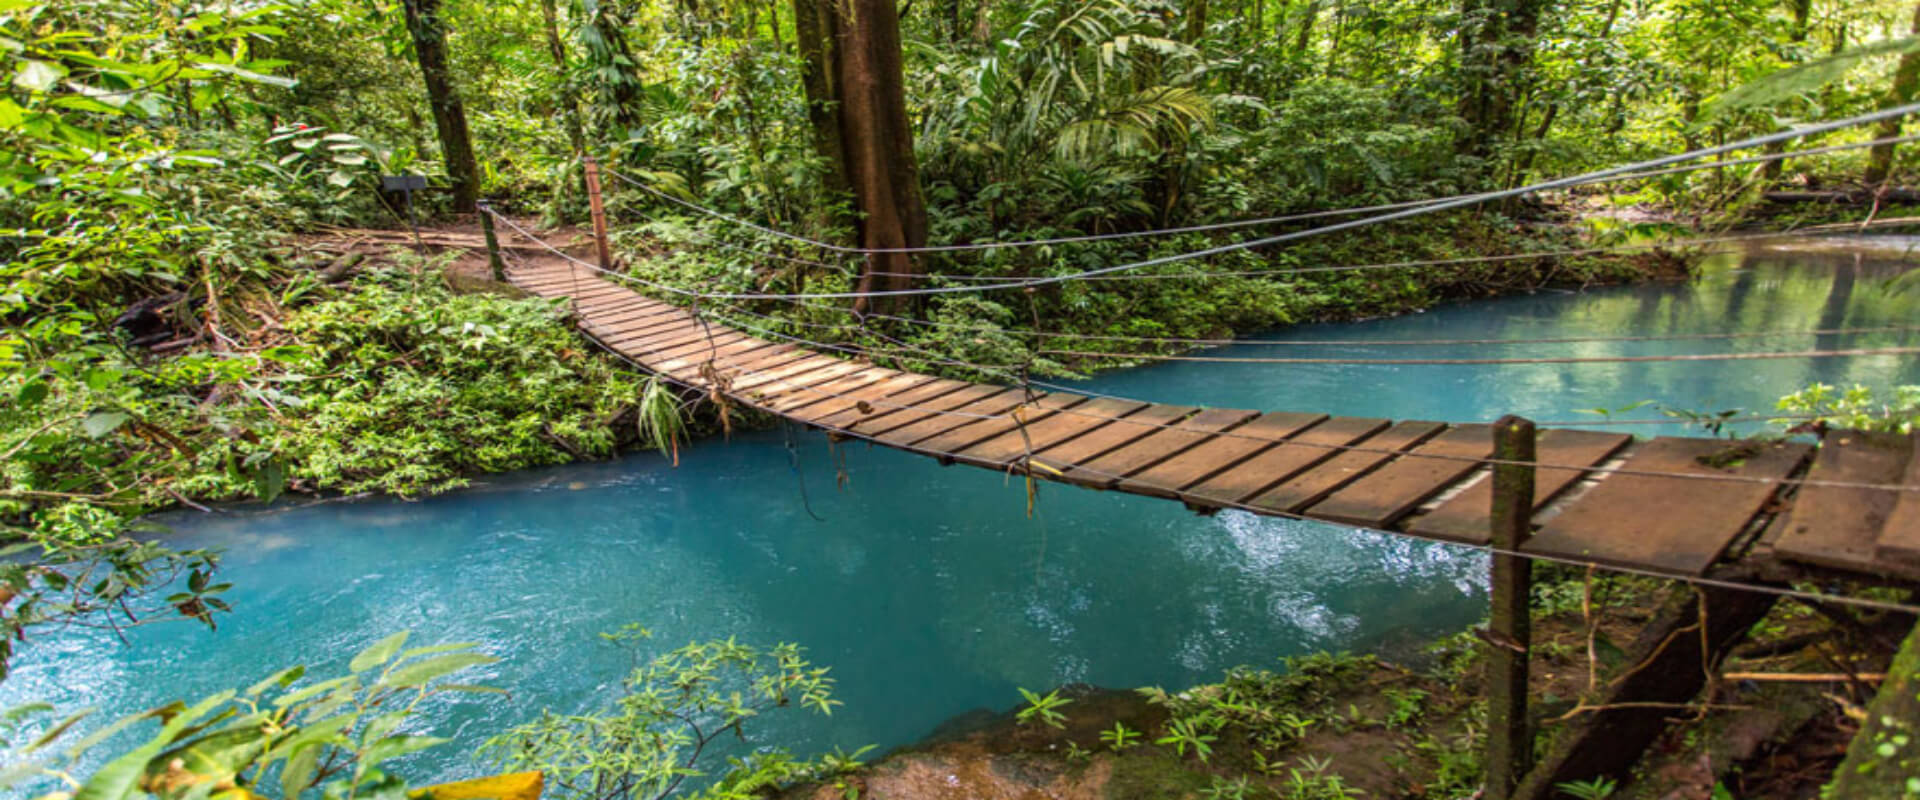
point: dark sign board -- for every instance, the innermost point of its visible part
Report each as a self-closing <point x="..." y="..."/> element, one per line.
<point x="403" y="183"/>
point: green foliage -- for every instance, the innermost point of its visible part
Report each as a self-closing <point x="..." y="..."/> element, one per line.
<point x="1192" y="733"/>
<point x="407" y="387"/>
<point x="654" y="735"/>
<point x="278" y="736"/>
<point x="1311" y="781"/>
<point x="1120" y="737"/>
<point x="1856" y="408"/>
<point x="1045" y="709"/>
<point x="1596" y="789"/>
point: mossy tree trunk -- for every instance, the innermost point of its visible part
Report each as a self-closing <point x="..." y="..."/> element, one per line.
<point x="1906" y="78"/>
<point x="449" y="114"/>
<point x="856" y="102"/>
<point x="1883" y="763"/>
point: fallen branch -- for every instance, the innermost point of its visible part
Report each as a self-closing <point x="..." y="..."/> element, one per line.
<point x="1805" y="677"/>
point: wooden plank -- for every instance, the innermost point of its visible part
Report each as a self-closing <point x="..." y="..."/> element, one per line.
<point x="1671" y="524"/>
<point x="1898" y="545"/>
<point x="744" y="384"/>
<point x="806" y="385"/>
<point x="653" y="332"/>
<point x="1393" y="490"/>
<point x="1271" y="467"/>
<point x="805" y="372"/>
<point x="835" y="390"/>
<point x="733" y="357"/>
<point x="758" y="362"/>
<point x="1218" y="454"/>
<point x="673" y="336"/>
<point x="1045" y="408"/>
<point x="863" y="373"/>
<point x="895" y="403"/>
<point x="899" y="402"/>
<point x="653" y="336"/>
<point x="696" y="345"/>
<point x="934" y="424"/>
<point x="1055" y="461"/>
<point x="1463" y="517"/>
<point x="919" y="411"/>
<point x="1108" y="470"/>
<point x="1012" y="446"/>
<point x="638" y="317"/>
<point x="1836" y="526"/>
<point x="1309" y="486"/>
<point x="989" y="409"/>
<point x="869" y="394"/>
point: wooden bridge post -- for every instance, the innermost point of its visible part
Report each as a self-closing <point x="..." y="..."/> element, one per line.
<point x="1509" y="735"/>
<point x="599" y="213"/>
<point x="493" y="243"/>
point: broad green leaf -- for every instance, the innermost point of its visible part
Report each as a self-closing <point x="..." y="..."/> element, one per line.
<point x="305" y="144"/>
<point x="298" y="774"/>
<point x="378" y="653"/>
<point x="420" y="672"/>
<point x="121" y="777"/>
<point x="32" y="393"/>
<point x="101" y="423"/>
<point x="37" y="76"/>
<point x="282" y="678"/>
<point x="349" y="159"/>
<point x="309" y="692"/>
<point x="340" y="178"/>
<point x="1800" y="79"/>
<point x="397" y="746"/>
<point x="248" y="75"/>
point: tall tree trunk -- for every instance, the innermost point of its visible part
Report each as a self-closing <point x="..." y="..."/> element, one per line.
<point x="1196" y="21"/>
<point x="856" y="100"/>
<point x="983" y="22"/>
<point x="449" y="114"/>
<point x="1303" y="40"/>
<point x="1905" y="77"/>
<point x="1496" y="40"/>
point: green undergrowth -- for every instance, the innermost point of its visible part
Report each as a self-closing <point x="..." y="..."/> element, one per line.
<point x="395" y="383"/>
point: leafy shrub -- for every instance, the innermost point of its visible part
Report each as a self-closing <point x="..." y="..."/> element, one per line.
<point x="409" y="387"/>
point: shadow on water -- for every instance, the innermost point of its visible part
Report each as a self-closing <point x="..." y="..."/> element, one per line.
<point x="930" y="590"/>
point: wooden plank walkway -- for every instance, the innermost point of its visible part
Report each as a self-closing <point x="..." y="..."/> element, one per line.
<point x="1419" y="478"/>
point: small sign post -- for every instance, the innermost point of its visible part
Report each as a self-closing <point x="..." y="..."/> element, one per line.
<point x="407" y="185"/>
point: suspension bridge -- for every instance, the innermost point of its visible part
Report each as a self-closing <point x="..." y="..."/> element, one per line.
<point x="1672" y="505"/>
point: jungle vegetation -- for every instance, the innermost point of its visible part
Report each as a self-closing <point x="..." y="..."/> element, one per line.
<point x="170" y="338"/>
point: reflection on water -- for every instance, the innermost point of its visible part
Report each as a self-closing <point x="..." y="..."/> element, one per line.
<point x="929" y="589"/>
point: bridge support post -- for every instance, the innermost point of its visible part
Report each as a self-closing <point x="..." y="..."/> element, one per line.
<point x="599" y="214"/>
<point x="1509" y="733"/>
<point x="493" y="243"/>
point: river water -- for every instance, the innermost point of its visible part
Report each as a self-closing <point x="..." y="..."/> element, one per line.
<point x="930" y="590"/>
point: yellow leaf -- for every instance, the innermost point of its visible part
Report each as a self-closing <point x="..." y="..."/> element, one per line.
<point x="511" y="786"/>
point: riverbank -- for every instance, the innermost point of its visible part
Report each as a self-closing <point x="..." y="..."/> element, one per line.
<point x="1331" y="726"/>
